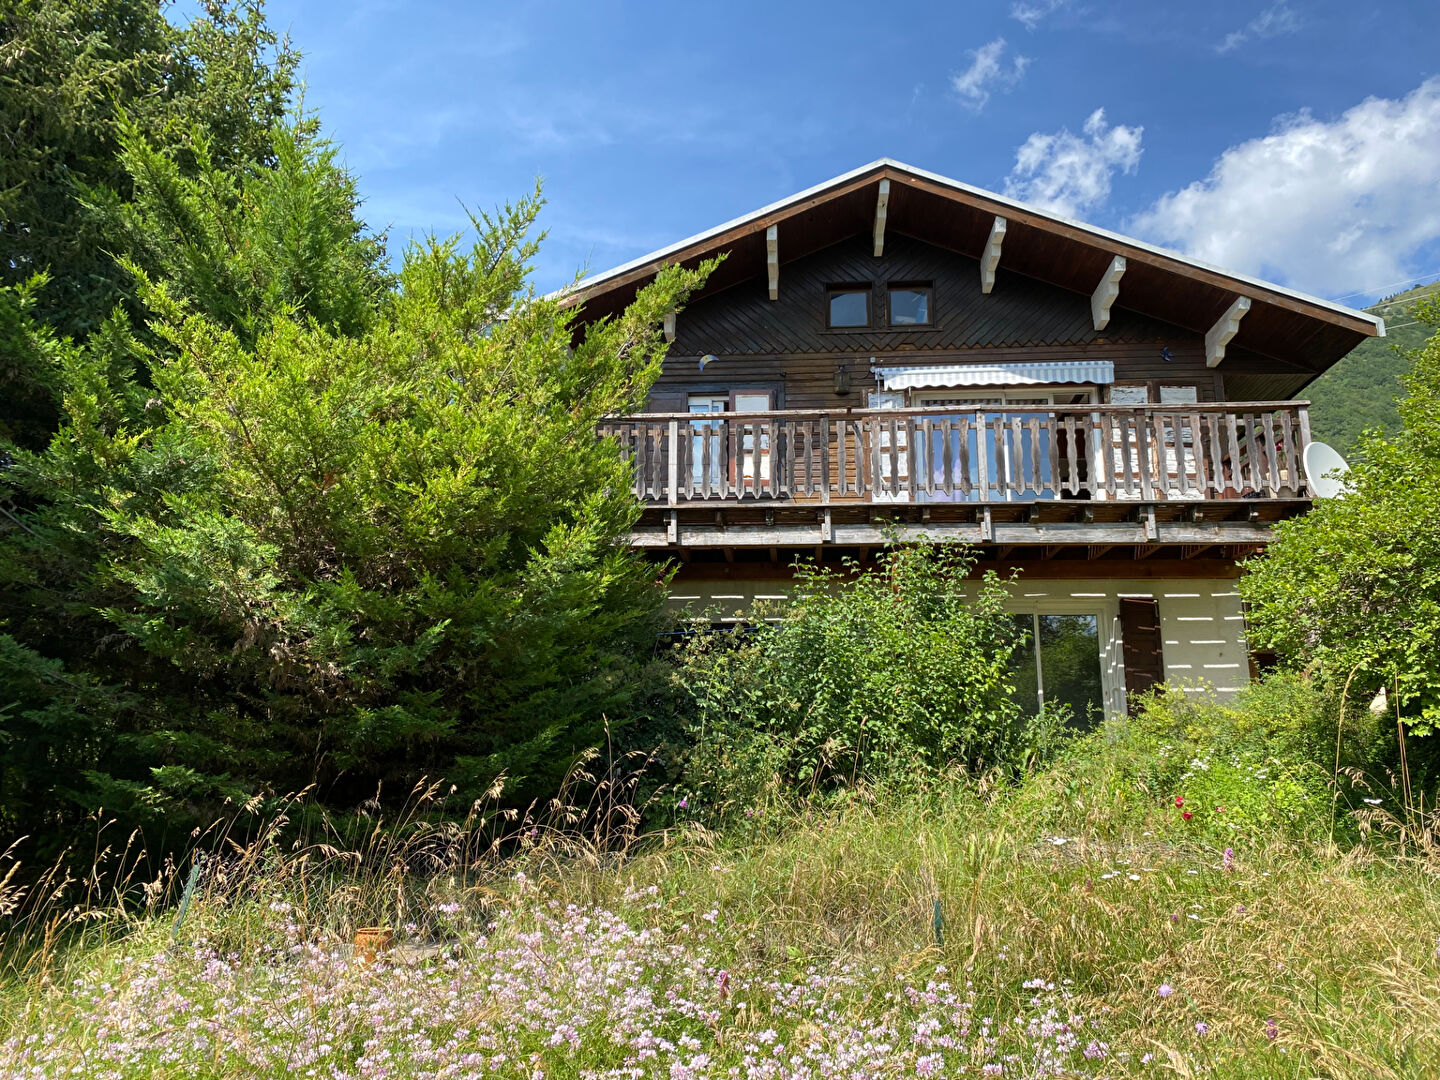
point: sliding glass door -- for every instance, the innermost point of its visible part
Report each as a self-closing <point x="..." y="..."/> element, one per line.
<point x="1058" y="666"/>
<point x="1014" y="463"/>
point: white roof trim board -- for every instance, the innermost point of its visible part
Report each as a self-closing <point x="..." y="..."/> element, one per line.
<point x="1088" y="372"/>
<point x="1103" y="234"/>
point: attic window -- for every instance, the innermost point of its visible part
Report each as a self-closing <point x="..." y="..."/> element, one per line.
<point x="909" y="305"/>
<point x="849" y="305"/>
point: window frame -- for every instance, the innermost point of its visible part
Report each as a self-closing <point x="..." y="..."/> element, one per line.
<point x="838" y="288"/>
<point x="1035" y="611"/>
<point x="927" y="287"/>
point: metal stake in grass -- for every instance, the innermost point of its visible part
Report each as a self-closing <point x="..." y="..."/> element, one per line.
<point x="190" y="883"/>
<point x="937" y="919"/>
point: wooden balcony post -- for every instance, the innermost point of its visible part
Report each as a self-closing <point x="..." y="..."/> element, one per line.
<point x="1302" y="416"/>
<point x="674" y="453"/>
<point x="982" y="456"/>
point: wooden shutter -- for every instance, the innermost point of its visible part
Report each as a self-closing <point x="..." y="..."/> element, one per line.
<point x="1141" y="646"/>
<point x="667" y="401"/>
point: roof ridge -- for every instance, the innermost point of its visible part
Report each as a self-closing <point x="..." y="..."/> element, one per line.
<point x="586" y="284"/>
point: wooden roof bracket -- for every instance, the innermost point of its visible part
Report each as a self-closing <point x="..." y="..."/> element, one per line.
<point x="772" y="259"/>
<point x="882" y="210"/>
<point x="1228" y="325"/>
<point x="991" y="258"/>
<point x="1106" y="292"/>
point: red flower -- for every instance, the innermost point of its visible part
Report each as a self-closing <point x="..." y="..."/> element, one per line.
<point x="1179" y="800"/>
<point x="1186" y="814"/>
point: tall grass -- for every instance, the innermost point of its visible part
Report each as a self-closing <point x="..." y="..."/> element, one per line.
<point x="1066" y="925"/>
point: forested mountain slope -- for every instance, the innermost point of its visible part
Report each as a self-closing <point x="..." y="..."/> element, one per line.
<point x="1361" y="390"/>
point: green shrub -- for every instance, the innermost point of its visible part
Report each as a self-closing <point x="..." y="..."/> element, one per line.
<point x="889" y="675"/>
<point x="1262" y="765"/>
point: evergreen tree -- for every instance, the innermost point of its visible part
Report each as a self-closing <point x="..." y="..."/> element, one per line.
<point x="352" y="531"/>
<point x="73" y="73"/>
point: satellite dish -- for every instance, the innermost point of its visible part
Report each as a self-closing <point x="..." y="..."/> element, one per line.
<point x="1326" y="470"/>
<point x="708" y="358"/>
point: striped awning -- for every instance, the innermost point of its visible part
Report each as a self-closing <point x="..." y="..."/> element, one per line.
<point x="1090" y="372"/>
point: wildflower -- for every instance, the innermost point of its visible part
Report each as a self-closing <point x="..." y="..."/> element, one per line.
<point x="722" y="983"/>
<point x="1229" y="862"/>
<point x="1174" y="916"/>
<point x="1202" y="1028"/>
<point x="1165" y="990"/>
<point x="684" y="802"/>
<point x="1240" y="908"/>
<point x="1373" y="802"/>
<point x="1179" y="802"/>
<point x="1186" y="814"/>
<point x="1146" y="1059"/>
<point x="1272" y="1029"/>
<point x="993" y="1069"/>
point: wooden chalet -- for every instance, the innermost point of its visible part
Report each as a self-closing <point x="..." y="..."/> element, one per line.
<point x="896" y="353"/>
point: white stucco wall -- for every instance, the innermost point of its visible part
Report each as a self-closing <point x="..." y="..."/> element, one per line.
<point x="1201" y="621"/>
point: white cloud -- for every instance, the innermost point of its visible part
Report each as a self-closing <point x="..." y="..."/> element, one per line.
<point x="987" y="71"/>
<point x="1277" y="19"/>
<point x="1326" y="207"/>
<point x="1070" y="173"/>
<point x="1031" y="14"/>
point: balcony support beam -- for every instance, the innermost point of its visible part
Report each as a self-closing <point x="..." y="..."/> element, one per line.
<point x="990" y="260"/>
<point x="772" y="260"/>
<point x="1106" y="292"/>
<point x="1015" y="535"/>
<point x="882" y="211"/>
<point x="1224" y="330"/>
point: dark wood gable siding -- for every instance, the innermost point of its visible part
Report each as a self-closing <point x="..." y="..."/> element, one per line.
<point x="758" y="340"/>
<point x="1019" y="312"/>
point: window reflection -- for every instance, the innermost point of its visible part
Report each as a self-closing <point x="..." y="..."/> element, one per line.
<point x="909" y="307"/>
<point x="1058" y="666"/>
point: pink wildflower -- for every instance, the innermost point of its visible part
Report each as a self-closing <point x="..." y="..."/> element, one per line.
<point x="1165" y="990"/>
<point x="1179" y="801"/>
<point x="1229" y="861"/>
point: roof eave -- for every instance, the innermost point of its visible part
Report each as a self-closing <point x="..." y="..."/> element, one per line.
<point x="587" y="286"/>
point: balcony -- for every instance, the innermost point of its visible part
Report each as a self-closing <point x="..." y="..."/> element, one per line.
<point x="1107" y="470"/>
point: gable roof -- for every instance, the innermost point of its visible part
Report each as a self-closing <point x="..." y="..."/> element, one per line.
<point x="1290" y="326"/>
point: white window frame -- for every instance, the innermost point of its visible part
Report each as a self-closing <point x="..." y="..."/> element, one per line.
<point x="1106" y="611"/>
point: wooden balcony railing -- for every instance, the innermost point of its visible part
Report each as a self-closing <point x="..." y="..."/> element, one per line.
<point x="938" y="454"/>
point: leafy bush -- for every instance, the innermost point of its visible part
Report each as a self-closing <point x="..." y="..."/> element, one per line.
<point x="886" y="675"/>
<point x="1351" y="590"/>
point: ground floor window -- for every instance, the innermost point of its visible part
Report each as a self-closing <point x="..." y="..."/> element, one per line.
<point x="1059" y="665"/>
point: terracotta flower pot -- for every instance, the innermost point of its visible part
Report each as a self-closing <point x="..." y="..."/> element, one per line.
<point x="370" y="941"/>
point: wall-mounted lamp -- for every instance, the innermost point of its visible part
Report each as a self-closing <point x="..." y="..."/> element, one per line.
<point x="842" y="380"/>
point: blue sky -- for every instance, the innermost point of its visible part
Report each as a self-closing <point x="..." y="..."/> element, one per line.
<point x="1300" y="141"/>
